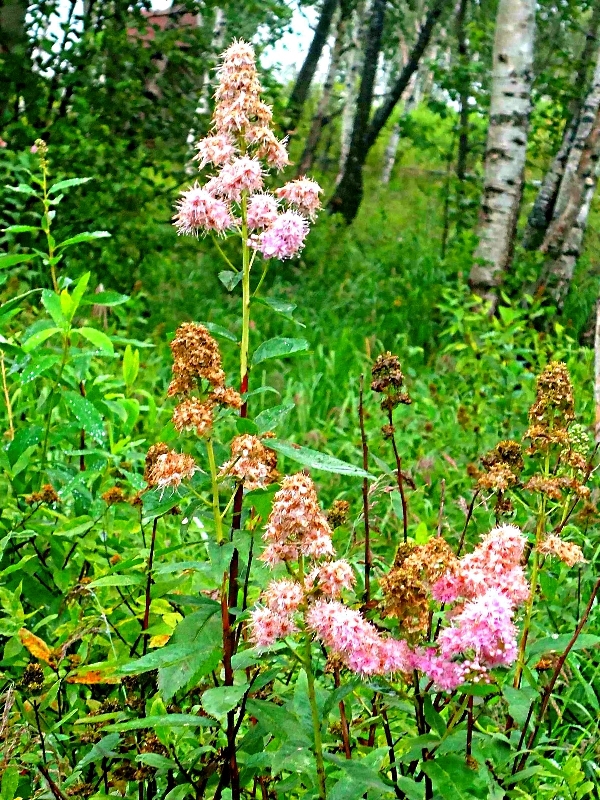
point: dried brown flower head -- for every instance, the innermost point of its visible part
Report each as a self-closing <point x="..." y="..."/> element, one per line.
<point x="170" y="469"/>
<point x="553" y="487"/>
<point x="155" y="451"/>
<point x="387" y="378"/>
<point x="191" y="414"/>
<point x="251" y="462"/>
<point x="32" y="678"/>
<point x="506" y="452"/>
<point x="406" y="586"/>
<point x="47" y="494"/>
<point x="338" y="513"/>
<point x="226" y="396"/>
<point x="81" y="790"/>
<point x="503" y="506"/>
<point x="554" y="401"/>
<point x="114" y="495"/>
<point x="498" y="478"/>
<point x="196" y="356"/>
<point x="567" y="552"/>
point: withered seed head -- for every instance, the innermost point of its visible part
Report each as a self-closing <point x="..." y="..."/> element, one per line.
<point x="387" y="378"/>
<point x="554" y="400"/>
<point x="32" y="678"/>
<point x="114" y="495"/>
<point x="47" y="494"/>
<point x="196" y="356"/>
<point x="338" y="513"/>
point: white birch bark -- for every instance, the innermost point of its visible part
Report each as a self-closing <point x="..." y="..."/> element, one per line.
<point x="506" y="143"/>
<point x="341" y="27"/>
<point x="353" y="65"/>
<point x="565" y="234"/>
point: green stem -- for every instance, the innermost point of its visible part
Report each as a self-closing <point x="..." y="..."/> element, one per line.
<point x="66" y="343"/>
<point x="216" y="505"/>
<point x="535" y="570"/>
<point x="315" y="719"/>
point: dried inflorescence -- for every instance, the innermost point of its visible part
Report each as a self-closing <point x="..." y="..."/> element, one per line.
<point x="387" y="379"/>
<point x="567" y="552"/>
<point x="554" y="486"/>
<point x="251" y="462"/>
<point x="407" y="586"/>
<point x="33" y="678"/>
<point x="114" y="495"/>
<point x="338" y="513"/>
<point x="296" y="525"/>
<point x="243" y="147"/>
<point x="552" y="410"/>
<point x="503" y="465"/>
<point x="165" y="467"/>
<point x="47" y="495"/>
<point x="196" y="357"/>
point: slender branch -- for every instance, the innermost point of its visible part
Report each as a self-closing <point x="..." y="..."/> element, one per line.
<point x="399" y="478"/>
<point x="365" y="488"/>
<point x="11" y="427"/>
<point x="146" y="619"/>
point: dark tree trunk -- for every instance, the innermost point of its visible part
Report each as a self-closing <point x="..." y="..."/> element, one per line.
<point x="348" y="194"/>
<point x="384" y="112"/>
<point x="464" y="87"/>
<point x="308" y="69"/>
<point x="542" y="211"/>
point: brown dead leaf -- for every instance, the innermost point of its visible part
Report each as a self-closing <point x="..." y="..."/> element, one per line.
<point x="36" y="646"/>
<point x="92" y="676"/>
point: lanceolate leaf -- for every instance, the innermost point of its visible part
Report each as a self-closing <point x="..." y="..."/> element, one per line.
<point x="86" y="414"/>
<point x="66" y="184"/>
<point x="13" y="260"/>
<point x="97" y="338"/>
<point x="83" y="237"/>
<point x="316" y="460"/>
<point x="105" y="299"/>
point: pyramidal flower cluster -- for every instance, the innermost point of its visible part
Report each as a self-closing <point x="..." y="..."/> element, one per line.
<point x="486" y="587"/>
<point x="241" y="149"/>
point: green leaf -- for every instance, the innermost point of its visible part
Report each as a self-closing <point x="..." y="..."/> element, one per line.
<point x="218" y="330"/>
<point x="23" y="188"/>
<point x="281" y="307"/>
<point x="270" y="418"/>
<point x="78" y="293"/>
<point x="316" y="460"/>
<point x="218" y="701"/>
<point x="97" y="338"/>
<point x="10" y="782"/>
<point x="105" y="299"/>
<point x="156" y="760"/>
<point x="66" y="184"/>
<point x="37" y="366"/>
<point x="21" y="229"/>
<point x="278" y="347"/>
<point x="86" y="414"/>
<point x="12" y="260"/>
<point x="103" y="749"/>
<point x="52" y="304"/>
<point x="39" y="338"/>
<point x="245" y="425"/>
<point x="89" y="236"/>
<point x="131" y="365"/>
<point x="557" y="644"/>
<point x="10" y="305"/>
<point x="162" y="720"/>
<point x="230" y="279"/>
<point x="451" y="777"/>
<point x="117" y="580"/>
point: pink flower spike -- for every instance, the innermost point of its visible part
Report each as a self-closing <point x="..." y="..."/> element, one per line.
<point x="262" y="211"/>
<point x="241" y="174"/>
<point x="215" y="150"/>
<point x="284" y="596"/>
<point x="334" y="576"/>
<point x="303" y="194"/>
<point x="198" y="209"/>
<point x="267" y="626"/>
<point x="285" y="238"/>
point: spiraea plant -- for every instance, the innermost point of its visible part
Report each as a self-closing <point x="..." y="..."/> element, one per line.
<point x="182" y="617"/>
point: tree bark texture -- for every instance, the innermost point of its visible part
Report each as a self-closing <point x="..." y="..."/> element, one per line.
<point x="384" y="112"/>
<point x="348" y="195"/>
<point x="464" y="90"/>
<point x="391" y="150"/>
<point x="506" y="143"/>
<point x="320" y="117"/>
<point x="353" y="59"/>
<point x="542" y="211"/>
<point x="309" y="67"/>
<point x="564" y="237"/>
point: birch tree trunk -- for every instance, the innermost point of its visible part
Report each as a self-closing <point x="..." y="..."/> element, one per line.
<point x="348" y="195"/>
<point x="564" y="237"/>
<point x="353" y="64"/>
<point x="320" y="117"/>
<point x="464" y="90"/>
<point x="542" y="211"/>
<point x="389" y="158"/>
<point x="506" y="143"/>
<point x="309" y="67"/>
